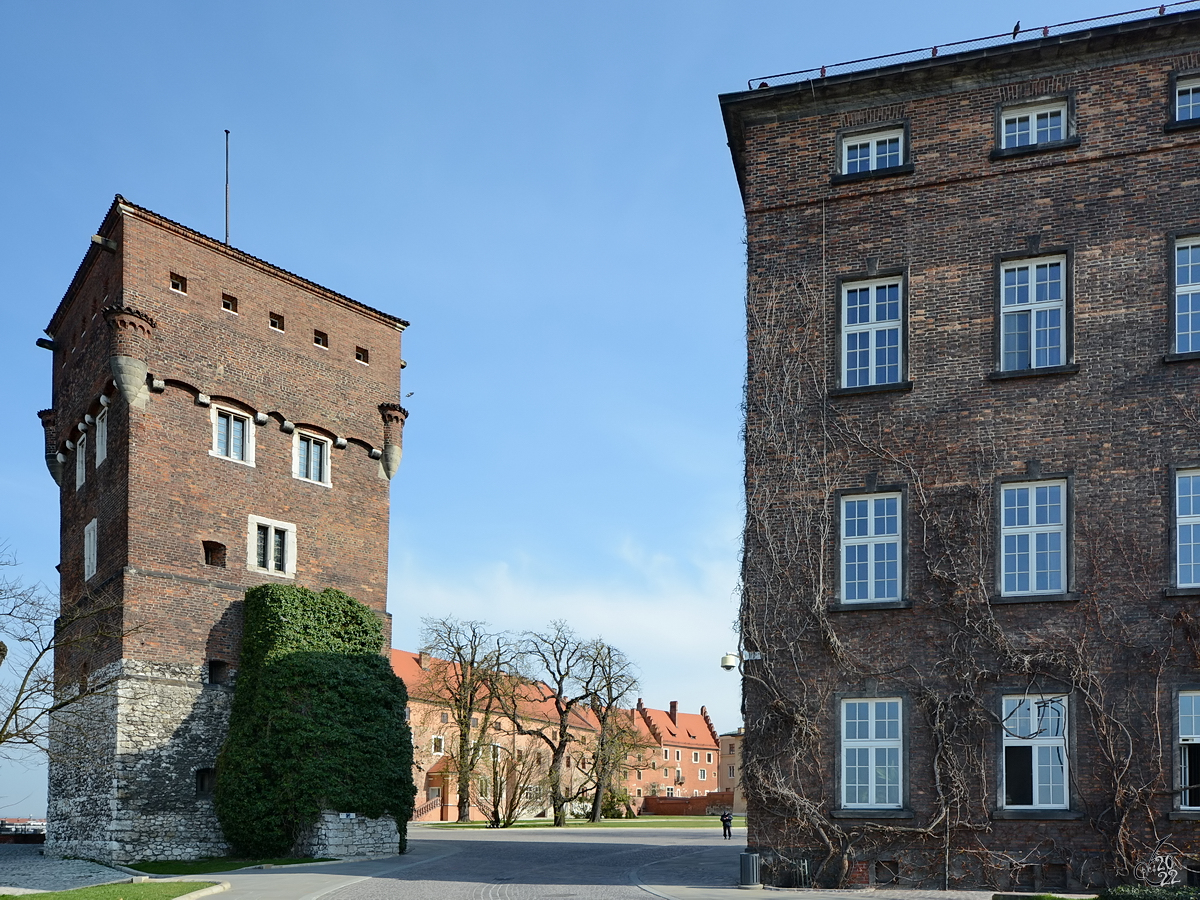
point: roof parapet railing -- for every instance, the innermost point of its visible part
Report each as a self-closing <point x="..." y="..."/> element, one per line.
<point x="1041" y="31"/>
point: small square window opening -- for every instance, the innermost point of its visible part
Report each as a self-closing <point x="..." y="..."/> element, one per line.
<point x="362" y="355"/>
<point x="178" y="283"/>
<point x="214" y="554"/>
<point x="321" y="339"/>
<point x="276" y="321"/>
<point x="229" y="303"/>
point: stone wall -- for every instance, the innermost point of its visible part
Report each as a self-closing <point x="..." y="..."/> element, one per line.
<point x="130" y="791"/>
<point x="346" y="834"/>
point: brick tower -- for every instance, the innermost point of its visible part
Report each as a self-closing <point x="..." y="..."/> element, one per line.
<point x="217" y="423"/>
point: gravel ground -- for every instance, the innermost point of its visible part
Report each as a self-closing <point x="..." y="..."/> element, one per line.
<point x="23" y="869"/>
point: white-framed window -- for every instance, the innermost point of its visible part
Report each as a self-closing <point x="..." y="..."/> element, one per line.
<point x="1033" y="536"/>
<point x="101" y="436"/>
<point x="1189" y="749"/>
<point x="1187" y="294"/>
<point x="703" y="774"/>
<point x="1030" y="125"/>
<point x="732" y="772"/>
<point x="708" y="757"/>
<point x="438" y="745"/>
<point x="1033" y="313"/>
<point x="695" y="756"/>
<point x="271" y="547"/>
<point x="1187" y="99"/>
<point x="679" y="775"/>
<point x="233" y="435"/>
<point x="89" y="550"/>
<point x="670" y="791"/>
<point x="1035" y="752"/>
<point x="872" y="314"/>
<point x="871" y="528"/>
<point x="869" y="152"/>
<point x="1187" y="528"/>
<point x="666" y="752"/>
<point x="310" y="457"/>
<point x="80" y="461"/>
<point x="678" y="755"/>
<point x="871" y="761"/>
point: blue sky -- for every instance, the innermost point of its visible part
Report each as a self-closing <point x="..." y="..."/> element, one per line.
<point x="542" y="189"/>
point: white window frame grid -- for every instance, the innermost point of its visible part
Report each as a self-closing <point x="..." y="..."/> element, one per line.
<point x="874" y="153"/>
<point x="732" y="772"/>
<point x="215" y="413"/>
<point x="704" y="774"/>
<point x="80" y="461"/>
<point x="1187" y="528"/>
<point x="1033" y="129"/>
<point x="1025" y="299"/>
<point x="883" y="549"/>
<point x="881" y="339"/>
<point x="1186" y="327"/>
<point x="90" y="549"/>
<point x="1189" y="737"/>
<point x="1025" y="723"/>
<point x="1031" y="548"/>
<point x="872" y="763"/>
<point x="289" y="546"/>
<point x="695" y="756"/>
<point x="301" y="439"/>
<point x="101" y="436"/>
<point x="1190" y="86"/>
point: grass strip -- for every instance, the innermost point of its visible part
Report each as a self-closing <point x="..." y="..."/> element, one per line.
<point x="126" y="891"/>
<point x="214" y="864"/>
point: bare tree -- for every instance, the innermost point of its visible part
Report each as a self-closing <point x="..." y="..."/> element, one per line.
<point x="461" y="680"/>
<point x="512" y="784"/>
<point x="566" y="674"/>
<point x="616" y="737"/>
<point x="45" y="638"/>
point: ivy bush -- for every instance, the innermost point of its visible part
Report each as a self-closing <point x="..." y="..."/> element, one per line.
<point x="317" y="722"/>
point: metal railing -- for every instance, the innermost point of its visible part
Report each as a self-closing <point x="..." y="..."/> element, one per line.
<point x="888" y="59"/>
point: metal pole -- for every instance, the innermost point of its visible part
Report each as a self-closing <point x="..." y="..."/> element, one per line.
<point x="227" y="187"/>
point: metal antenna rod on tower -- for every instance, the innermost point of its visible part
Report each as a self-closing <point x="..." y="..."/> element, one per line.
<point x="227" y="187"/>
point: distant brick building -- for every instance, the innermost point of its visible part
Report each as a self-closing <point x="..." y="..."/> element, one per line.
<point x="972" y="550"/>
<point x="678" y="754"/>
<point x="217" y="423"/>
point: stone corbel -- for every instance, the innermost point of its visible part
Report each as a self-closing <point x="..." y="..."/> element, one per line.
<point x="131" y="332"/>
<point x="394" y="416"/>
<point x="54" y="459"/>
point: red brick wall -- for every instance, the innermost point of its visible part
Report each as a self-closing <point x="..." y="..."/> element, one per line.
<point x="160" y="493"/>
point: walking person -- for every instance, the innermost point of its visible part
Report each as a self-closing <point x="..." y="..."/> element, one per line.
<point x="727" y="825"/>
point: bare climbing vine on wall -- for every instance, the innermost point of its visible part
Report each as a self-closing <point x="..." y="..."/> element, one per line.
<point x="1108" y="651"/>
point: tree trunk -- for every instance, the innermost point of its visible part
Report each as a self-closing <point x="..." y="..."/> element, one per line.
<point x="598" y="802"/>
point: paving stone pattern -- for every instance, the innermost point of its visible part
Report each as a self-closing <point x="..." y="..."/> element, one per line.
<point x="24" y="868"/>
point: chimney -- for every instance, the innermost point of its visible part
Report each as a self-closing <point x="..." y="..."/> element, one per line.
<point x="675" y="711"/>
<point x="423" y="659"/>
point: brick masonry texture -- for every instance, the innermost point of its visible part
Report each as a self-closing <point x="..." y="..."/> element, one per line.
<point x="1112" y="204"/>
<point x="161" y="494"/>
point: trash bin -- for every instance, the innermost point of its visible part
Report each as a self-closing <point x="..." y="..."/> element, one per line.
<point x="750" y="871"/>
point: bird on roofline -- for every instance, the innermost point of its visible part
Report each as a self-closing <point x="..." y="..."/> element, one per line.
<point x="1016" y="29"/>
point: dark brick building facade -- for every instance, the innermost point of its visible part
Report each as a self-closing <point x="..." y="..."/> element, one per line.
<point x="217" y="422"/>
<point x="972" y="551"/>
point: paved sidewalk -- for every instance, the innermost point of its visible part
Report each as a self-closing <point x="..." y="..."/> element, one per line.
<point x="23" y="869"/>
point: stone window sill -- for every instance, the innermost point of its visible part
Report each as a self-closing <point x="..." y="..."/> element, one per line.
<point x="1009" y="152"/>
<point x="1033" y="814"/>
<point x="1033" y="373"/>
<point x="871" y="814"/>
<point x="1069" y="597"/>
<point x="871" y="389"/>
<point x="906" y="169"/>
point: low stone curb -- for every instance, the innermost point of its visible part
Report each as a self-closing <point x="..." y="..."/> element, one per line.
<point x="204" y="892"/>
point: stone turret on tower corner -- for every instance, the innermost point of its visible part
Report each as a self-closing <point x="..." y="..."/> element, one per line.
<point x="217" y="423"/>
